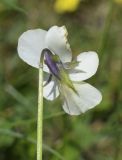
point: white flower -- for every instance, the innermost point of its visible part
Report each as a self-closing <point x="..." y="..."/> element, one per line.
<point x="77" y="95"/>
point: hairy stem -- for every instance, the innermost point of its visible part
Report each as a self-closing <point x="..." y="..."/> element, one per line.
<point x="40" y="115"/>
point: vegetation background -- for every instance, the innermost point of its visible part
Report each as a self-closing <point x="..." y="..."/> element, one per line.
<point x="95" y="135"/>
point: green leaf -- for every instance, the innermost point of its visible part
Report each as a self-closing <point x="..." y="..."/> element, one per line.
<point x="13" y="4"/>
<point x="7" y="132"/>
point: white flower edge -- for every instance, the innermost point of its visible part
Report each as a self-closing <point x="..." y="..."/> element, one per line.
<point x="30" y="45"/>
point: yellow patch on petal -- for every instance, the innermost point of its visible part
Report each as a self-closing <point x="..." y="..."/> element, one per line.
<point x="62" y="6"/>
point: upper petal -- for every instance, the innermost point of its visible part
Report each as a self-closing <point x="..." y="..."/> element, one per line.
<point x="30" y="45"/>
<point x="50" y="91"/>
<point x="56" y="40"/>
<point x="86" y="98"/>
<point x="87" y="66"/>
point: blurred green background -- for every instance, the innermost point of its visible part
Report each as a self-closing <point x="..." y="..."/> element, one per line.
<point x="95" y="135"/>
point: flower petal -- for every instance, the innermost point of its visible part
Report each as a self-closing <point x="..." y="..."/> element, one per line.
<point x="87" y="66"/>
<point x="56" y="40"/>
<point x="50" y="91"/>
<point x="30" y="45"/>
<point x="86" y="98"/>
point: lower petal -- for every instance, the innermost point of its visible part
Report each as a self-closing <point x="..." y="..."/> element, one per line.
<point x="87" y="97"/>
<point x="50" y="91"/>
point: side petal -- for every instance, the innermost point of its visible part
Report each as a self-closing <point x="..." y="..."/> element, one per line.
<point x="87" y="97"/>
<point x="56" y="40"/>
<point x="50" y="91"/>
<point x="30" y="45"/>
<point x="87" y="66"/>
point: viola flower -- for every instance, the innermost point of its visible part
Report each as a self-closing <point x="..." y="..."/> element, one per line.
<point x="65" y="76"/>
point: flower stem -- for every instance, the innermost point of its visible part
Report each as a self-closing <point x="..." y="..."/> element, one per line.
<point x="40" y="115"/>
